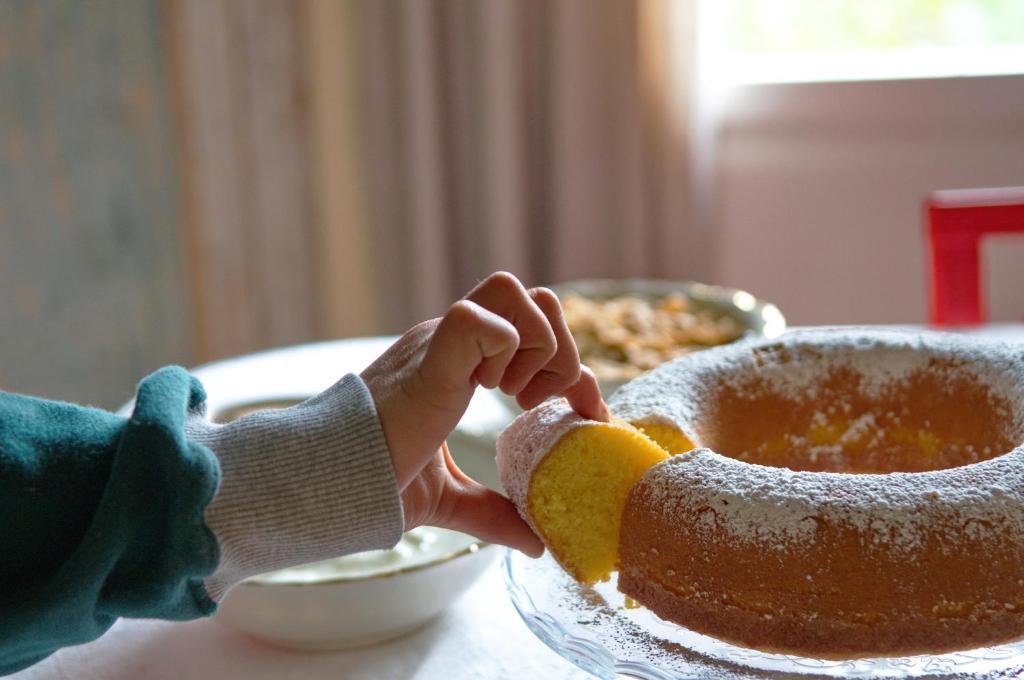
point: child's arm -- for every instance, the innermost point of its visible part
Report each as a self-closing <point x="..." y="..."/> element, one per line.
<point x="350" y="468"/>
<point x="159" y="514"/>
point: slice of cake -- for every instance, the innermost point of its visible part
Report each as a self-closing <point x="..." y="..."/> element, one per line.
<point x="569" y="477"/>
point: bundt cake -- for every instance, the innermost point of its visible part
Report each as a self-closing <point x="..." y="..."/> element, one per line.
<point x="838" y="494"/>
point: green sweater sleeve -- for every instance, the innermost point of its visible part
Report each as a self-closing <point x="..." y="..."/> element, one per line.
<point x="160" y="514"/>
<point x="101" y="517"/>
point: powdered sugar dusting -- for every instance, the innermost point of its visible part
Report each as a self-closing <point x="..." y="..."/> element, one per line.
<point x="775" y="507"/>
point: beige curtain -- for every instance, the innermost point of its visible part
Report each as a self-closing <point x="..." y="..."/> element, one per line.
<point x="549" y="138"/>
<point x="351" y="166"/>
<point x="245" y="173"/>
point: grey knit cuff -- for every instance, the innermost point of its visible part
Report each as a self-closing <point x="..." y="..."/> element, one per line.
<point x="300" y="485"/>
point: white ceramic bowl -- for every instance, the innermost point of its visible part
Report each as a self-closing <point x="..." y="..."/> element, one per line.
<point x="349" y="612"/>
<point x="379" y="596"/>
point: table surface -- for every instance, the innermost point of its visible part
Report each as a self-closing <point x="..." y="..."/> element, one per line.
<point x="479" y="636"/>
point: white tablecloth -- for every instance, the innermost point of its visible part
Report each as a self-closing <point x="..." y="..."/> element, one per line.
<point x="479" y="636"/>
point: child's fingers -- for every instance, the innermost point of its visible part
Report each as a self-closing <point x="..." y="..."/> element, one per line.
<point x="563" y="374"/>
<point x="563" y="370"/>
<point x="502" y="335"/>
<point x="585" y="397"/>
<point x="470" y="344"/>
<point x="503" y="294"/>
<point x="474" y="509"/>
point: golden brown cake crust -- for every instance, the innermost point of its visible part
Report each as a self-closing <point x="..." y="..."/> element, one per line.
<point x="836" y="591"/>
<point x="834" y="564"/>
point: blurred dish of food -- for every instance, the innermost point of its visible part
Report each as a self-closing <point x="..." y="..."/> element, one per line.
<point x="624" y="336"/>
<point x="625" y="327"/>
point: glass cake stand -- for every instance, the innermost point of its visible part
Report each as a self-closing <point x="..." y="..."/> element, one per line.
<point x="591" y="627"/>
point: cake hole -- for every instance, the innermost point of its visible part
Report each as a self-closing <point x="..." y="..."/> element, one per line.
<point x="801" y="411"/>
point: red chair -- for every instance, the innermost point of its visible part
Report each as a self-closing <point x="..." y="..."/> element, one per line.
<point x="956" y="222"/>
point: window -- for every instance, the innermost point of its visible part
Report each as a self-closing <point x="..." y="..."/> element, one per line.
<point x="827" y="40"/>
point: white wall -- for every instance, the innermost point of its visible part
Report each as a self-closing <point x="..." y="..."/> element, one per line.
<point x="820" y="188"/>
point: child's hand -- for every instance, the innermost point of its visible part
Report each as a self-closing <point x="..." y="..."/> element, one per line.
<point x="499" y="335"/>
